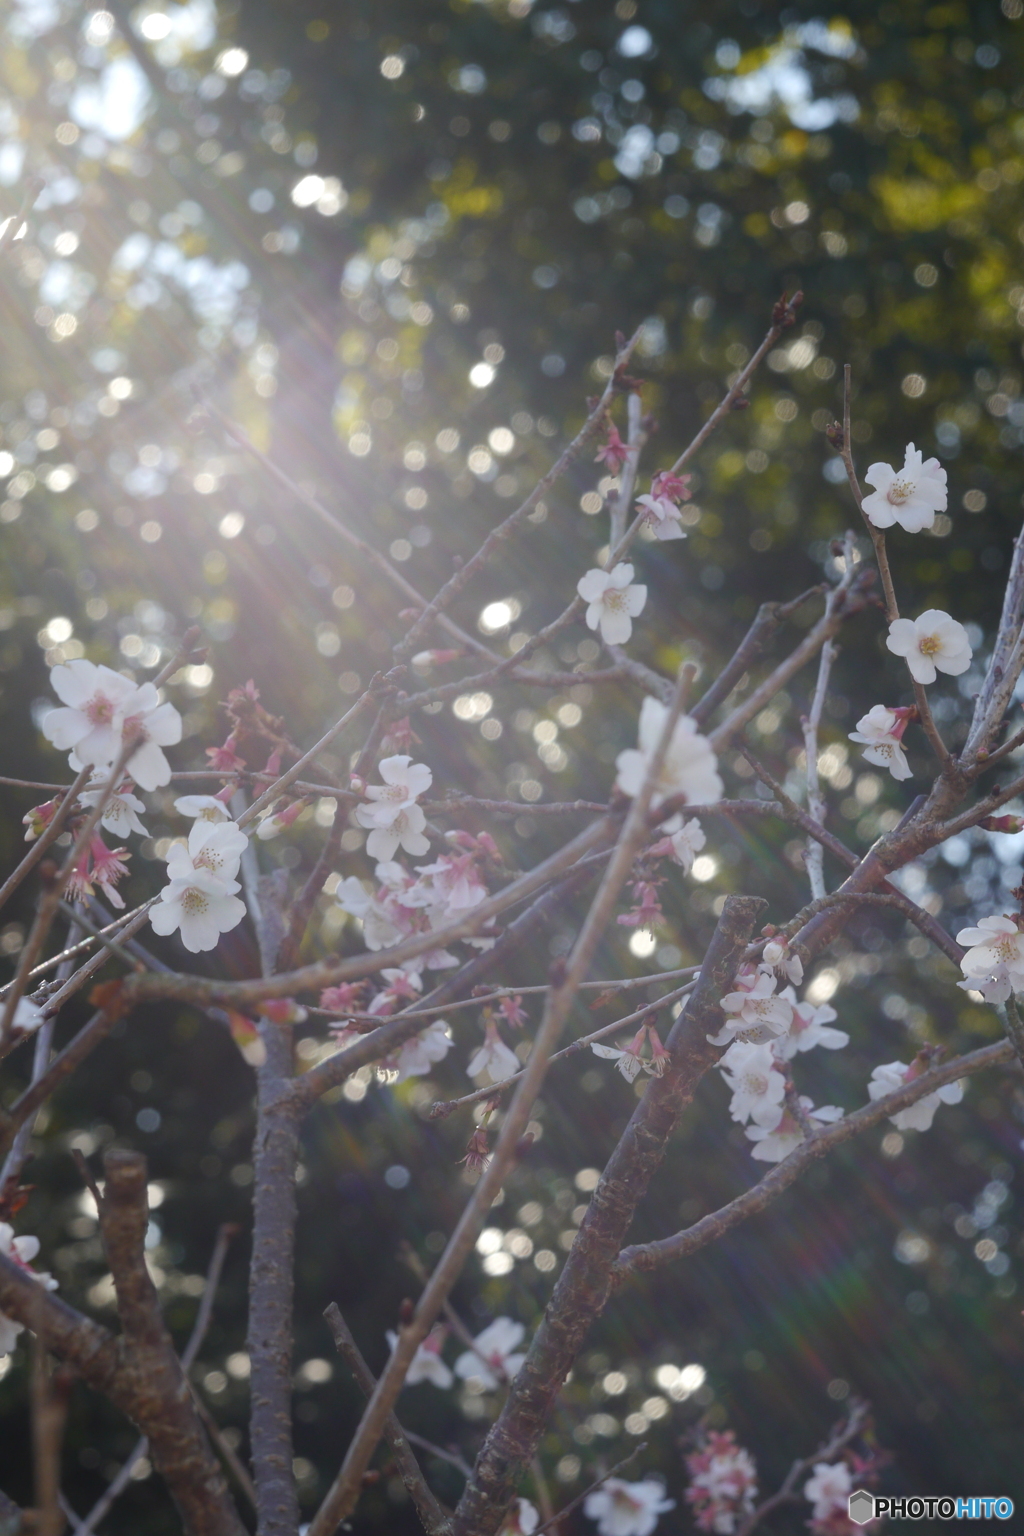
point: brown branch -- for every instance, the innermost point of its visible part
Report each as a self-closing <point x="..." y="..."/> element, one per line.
<point x="62" y="1065"/>
<point x="48" y="1395"/>
<point x="432" y="1516"/>
<point x="583" y="1286"/>
<point x="644" y="1257"/>
<point x="768" y="619"/>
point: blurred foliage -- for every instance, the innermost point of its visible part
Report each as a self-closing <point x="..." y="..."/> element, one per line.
<point x="323" y="218"/>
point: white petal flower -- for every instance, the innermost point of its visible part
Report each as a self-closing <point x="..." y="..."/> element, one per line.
<point x="687" y="839"/>
<point x="754" y="1014"/>
<point x="933" y="640"/>
<point x="493" y="1060"/>
<point x="809" y="1029"/>
<point x="393" y="817"/>
<point x="418" y="1055"/>
<point x="627" y="1509"/>
<point x="404" y="830"/>
<point x="120" y="812"/>
<point x="522" y="1519"/>
<point x="21" y="1251"/>
<point x="427" y="1364"/>
<point x="492" y="1356"/>
<point x="995" y="952"/>
<point x="758" y="1087"/>
<point x="780" y="960"/>
<point x="829" y="1488"/>
<point x="918" y="1117"/>
<point x="139" y="715"/>
<point x="613" y="602"/>
<point x="92" y="695"/>
<point x="774" y="1145"/>
<point x="205" y="807"/>
<point x="214" y="845"/>
<point x="628" y="1063"/>
<point x="877" y="730"/>
<point x="910" y="497"/>
<point x="27" y="1016"/>
<point x="201" y="905"/>
<point x="690" y="767"/>
<point x="663" y="516"/>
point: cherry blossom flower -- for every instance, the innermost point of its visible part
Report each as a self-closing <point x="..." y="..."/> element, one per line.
<point x="493" y="1060"/>
<point x="418" y="1055"/>
<point x="380" y="930"/>
<point x="401" y="985"/>
<point x="995" y="953"/>
<point x="452" y="882"/>
<point x="120" y="812"/>
<point x="758" y="1087"/>
<point x="21" y="1251"/>
<point x="881" y="731"/>
<point x="779" y="959"/>
<point x="667" y="483"/>
<point x="663" y="516"/>
<point x="627" y="1509"/>
<point x="723" y="1483"/>
<point x="613" y="603"/>
<point x="201" y="905"/>
<point x="225" y="759"/>
<point x="512" y="1011"/>
<point x="279" y="821"/>
<point x="775" y="1144"/>
<point x="613" y="452"/>
<point x="933" y="640"/>
<point x="646" y="911"/>
<point x="690" y="767"/>
<point x="27" y="1017"/>
<point x="910" y="496"/>
<point x="830" y="1487"/>
<point x="918" y="1117"/>
<point x="203" y="807"/>
<point x="214" y="845"/>
<point x="809" y="1029"/>
<point x="682" y="842"/>
<point x="756" y="1013"/>
<point x="492" y="1359"/>
<point x="91" y="695"/>
<point x="345" y="997"/>
<point x="102" y="866"/>
<point x="427" y="1364"/>
<point x="521" y="1520"/>
<point x="630" y="1060"/>
<point x="38" y="818"/>
<point x="139" y="716"/>
<point x="393" y="817"/>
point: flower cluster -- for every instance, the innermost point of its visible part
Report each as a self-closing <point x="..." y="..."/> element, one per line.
<point x="393" y="818"/>
<point x="102" y="713"/>
<point x="493" y="1359"/>
<point x="662" y="503"/>
<point x="723" y="1483"/>
<point x="895" y="1074"/>
<point x="994" y="962"/>
<point x="200" y="899"/>
<point x="881" y="732"/>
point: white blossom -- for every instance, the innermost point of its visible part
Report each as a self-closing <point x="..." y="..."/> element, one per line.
<point x="995" y="954"/>
<point x="829" y="1488"/>
<point x="627" y="1509"/>
<point x="684" y="840"/>
<point x="663" y="517"/>
<point x="393" y="817"/>
<point x="493" y="1060"/>
<point x="758" y="1087"/>
<point x="690" y="767"/>
<point x="492" y="1356"/>
<point x="205" y="807"/>
<point x="417" y="1056"/>
<point x="91" y="695"/>
<point x="910" y="496"/>
<point x="918" y="1117"/>
<point x="27" y="1016"/>
<point x="756" y="1014"/>
<point x="779" y="959"/>
<point x="880" y="731"/>
<point x="214" y="845"/>
<point x="521" y="1520"/>
<point x="201" y="905"/>
<point x="809" y="1029"/>
<point x="379" y="929"/>
<point x="120" y="814"/>
<point x="613" y="602"/>
<point x="427" y="1364"/>
<point x="775" y="1144"/>
<point x="933" y="640"/>
<point x="21" y="1251"/>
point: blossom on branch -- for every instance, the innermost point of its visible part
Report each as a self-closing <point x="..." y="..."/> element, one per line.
<point x="682" y="842"/>
<point x="809" y="1029"/>
<point x="829" y="1489"/>
<point x="120" y="812"/>
<point x="393" y="817"/>
<point x="778" y="958"/>
<point x="690" y="767"/>
<point x="917" y="1117"/>
<point x="416" y="1057"/>
<point x="27" y="1017"/>
<point x="775" y="1144"/>
<point x="881" y="732"/>
<point x="427" y="1364"/>
<point x="203" y="807"/>
<point x="492" y="1358"/>
<point x="216" y="846"/>
<point x="201" y="905"/>
<point x="758" y="1087"/>
<point x="102" y="866"/>
<point x="613" y="602"/>
<point x="630" y="1060"/>
<point x="141" y="717"/>
<point x="493" y="1060"/>
<point x="994" y="958"/>
<point x="929" y="642"/>
<point x="627" y="1509"/>
<point x="91" y="695"/>
<point x="21" y="1251"/>
<point x="754" y="1014"/>
<point x="521" y="1520"/>
<point x="613" y="452"/>
<point x="723" y="1483"/>
<point x="910" y="496"/>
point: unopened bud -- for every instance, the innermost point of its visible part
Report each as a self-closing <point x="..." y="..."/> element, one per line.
<point x="835" y="436"/>
<point x="739" y="403"/>
<point x="405" y="1311"/>
<point x="1002" y="823"/>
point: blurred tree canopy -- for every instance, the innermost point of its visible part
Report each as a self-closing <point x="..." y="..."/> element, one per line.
<point x="394" y="242"/>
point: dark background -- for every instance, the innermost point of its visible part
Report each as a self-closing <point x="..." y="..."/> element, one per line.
<point x="499" y="194"/>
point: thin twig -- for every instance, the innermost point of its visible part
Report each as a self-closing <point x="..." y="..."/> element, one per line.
<point x="814" y="857"/>
<point x="48" y="836"/>
<point x="567" y="1509"/>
